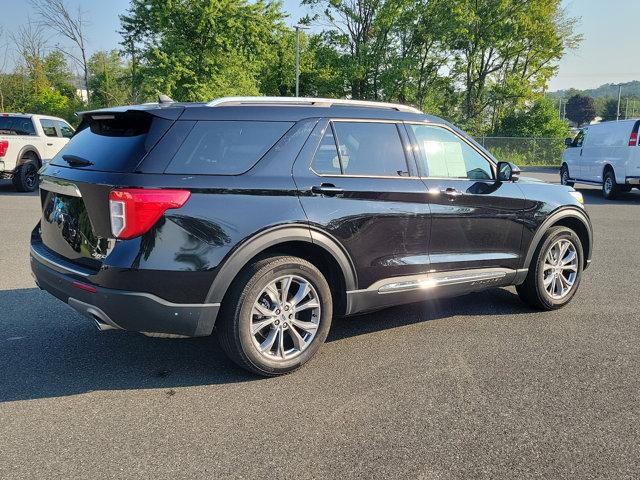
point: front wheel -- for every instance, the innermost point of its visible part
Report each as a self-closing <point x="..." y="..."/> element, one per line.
<point x="555" y="270"/>
<point x="610" y="188"/>
<point x="564" y="176"/>
<point x="276" y="315"/>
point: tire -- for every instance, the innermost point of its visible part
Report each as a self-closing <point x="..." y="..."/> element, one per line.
<point x="564" y="176"/>
<point x="238" y="315"/>
<point x="610" y="188"/>
<point x="25" y="176"/>
<point x="538" y="290"/>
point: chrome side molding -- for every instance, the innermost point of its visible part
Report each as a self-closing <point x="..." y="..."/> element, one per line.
<point x="433" y="280"/>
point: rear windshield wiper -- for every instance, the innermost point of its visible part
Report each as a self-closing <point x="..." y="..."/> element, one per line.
<point x="75" y="161"/>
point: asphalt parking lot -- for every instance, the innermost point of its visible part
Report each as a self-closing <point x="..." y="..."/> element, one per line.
<point x="473" y="387"/>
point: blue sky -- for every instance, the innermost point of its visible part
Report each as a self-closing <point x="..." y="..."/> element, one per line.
<point x="608" y="54"/>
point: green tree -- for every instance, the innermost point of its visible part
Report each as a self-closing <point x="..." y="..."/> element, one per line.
<point x="506" y="50"/>
<point x="581" y="109"/>
<point x="194" y="50"/>
<point x="108" y="79"/>
<point x="541" y="119"/>
<point x="610" y="109"/>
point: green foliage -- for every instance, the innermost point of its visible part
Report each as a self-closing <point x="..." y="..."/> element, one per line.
<point x="539" y="120"/>
<point x="581" y="109"/>
<point x="610" y="109"/>
<point x="109" y="79"/>
<point x="196" y="50"/>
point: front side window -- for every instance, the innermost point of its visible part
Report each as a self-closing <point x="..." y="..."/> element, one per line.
<point x="48" y="127"/>
<point x="65" y="129"/>
<point x="441" y="153"/>
<point x="370" y="149"/>
<point x="226" y="147"/>
<point x="579" y="140"/>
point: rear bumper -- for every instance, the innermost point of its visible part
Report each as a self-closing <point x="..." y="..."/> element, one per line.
<point x="632" y="181"/>
<point x="136" y="311"/>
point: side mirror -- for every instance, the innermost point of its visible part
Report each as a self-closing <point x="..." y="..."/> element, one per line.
<point x="508" y="172"/>
<point x="568" y="142"/>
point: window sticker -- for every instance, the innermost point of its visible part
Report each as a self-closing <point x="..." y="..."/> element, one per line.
<point x="445" y="159"/>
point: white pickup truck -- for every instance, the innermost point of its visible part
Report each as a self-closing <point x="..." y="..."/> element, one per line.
<point x="26" y="141"/>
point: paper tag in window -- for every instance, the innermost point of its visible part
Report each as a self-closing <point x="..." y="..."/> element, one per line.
<point x="445" y="159"/>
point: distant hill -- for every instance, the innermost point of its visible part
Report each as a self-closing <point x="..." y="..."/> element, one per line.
<point x="629" y="89"/>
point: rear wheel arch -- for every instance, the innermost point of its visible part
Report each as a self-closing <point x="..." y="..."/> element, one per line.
<point x="312" y="245"/>
<point x="28" y="151"/>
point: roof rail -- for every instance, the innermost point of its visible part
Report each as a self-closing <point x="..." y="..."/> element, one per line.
<point x="301" y="101"/>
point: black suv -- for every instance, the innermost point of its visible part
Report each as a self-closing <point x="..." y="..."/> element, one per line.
<point x="262" y="218"/>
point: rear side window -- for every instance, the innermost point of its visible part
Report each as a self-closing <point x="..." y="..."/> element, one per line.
<point x="112" y="142"/>
<point x="327" y="160"/>
<point x="48" y="127"/>
<point x="370" y="149"/>
<point x="16" y="126"/>
<point x="225" y="147"/>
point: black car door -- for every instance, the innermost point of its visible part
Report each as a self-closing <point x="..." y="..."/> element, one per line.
<point x="358" y="184"/>
<point x="476" y="220"/>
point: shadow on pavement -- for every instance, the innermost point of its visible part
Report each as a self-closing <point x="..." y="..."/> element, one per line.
<point x="47" y="350"/>
<point x="593" y="196"/>
<point x="7" y="188"/>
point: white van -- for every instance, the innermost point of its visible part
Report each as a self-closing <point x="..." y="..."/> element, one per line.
<point x="606" y="154"/>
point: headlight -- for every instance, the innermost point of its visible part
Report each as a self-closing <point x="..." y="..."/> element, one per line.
<point x="578" y="196"/>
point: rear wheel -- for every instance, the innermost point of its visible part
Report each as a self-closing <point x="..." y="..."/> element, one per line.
<point x="555" y="270"/>
<point x="564" y="176"/>
<point x="610" y="187"/>
<point x="276" y="316"/>
<point x="25" y="176"/>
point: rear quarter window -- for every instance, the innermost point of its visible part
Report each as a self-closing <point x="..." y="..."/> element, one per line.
<point x="16" y="126"/>
<point x="225" y="147"/>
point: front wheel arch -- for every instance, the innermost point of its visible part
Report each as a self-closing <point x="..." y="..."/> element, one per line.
<point x="568" y="217"/>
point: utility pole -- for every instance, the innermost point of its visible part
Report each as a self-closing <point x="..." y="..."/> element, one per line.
<point x="619" y="98"/>
<point x="298" y="28"/>
<point x="626" y="110"/>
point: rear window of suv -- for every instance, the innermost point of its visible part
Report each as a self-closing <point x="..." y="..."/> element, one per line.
<point x="16" y="126"/>
<point x="225" y="147"/>
<point x="113" y="142"/>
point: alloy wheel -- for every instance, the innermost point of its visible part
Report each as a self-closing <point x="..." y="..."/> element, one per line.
<point x="608" y="185"/>
<point x="285" y="317"/>
<point x="30" y="176"/>
<point x="560" y="268"/>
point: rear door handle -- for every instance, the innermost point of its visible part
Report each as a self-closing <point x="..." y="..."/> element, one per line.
<point x="451" y="192"/>
<point x="327" y="189"/>
<point x="50" y="144"/>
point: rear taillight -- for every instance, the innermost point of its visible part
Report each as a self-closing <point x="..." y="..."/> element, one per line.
<point x="134" y="211"/>
<point x="633" y="139"/>
<point x="4" y="146"/>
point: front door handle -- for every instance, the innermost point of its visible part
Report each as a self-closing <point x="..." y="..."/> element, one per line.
<point x="451" y="192"/>
<point x="327" y="189"/>
<point x="49" y="144"/>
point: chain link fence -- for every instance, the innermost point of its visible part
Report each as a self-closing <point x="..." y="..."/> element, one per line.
<point x="525" y="150"/>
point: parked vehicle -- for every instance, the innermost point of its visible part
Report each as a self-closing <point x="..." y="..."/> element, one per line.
<point x="26" y="141"/>
<point x="606" y="154"/>
<point x="267" y="217"/>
